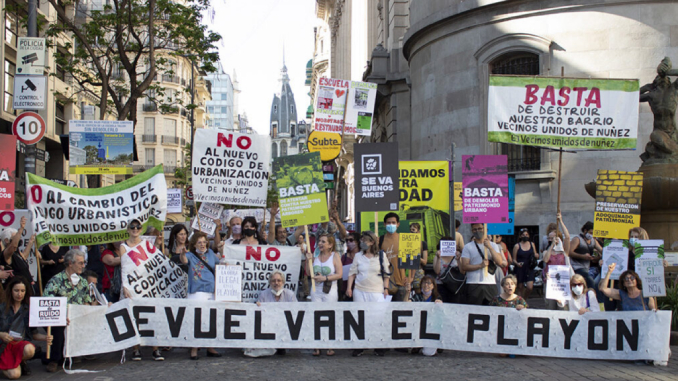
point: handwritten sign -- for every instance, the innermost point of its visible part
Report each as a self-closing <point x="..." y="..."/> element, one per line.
<point x="448" y="248"/>
<point x="47" y="312"/>
<point x="206" y="225"/>
<point x="558" y="283"/>
<point x="228" y="286"/>
<point x="409" y="250"/>
<point x="651" y="272"/>
<point x="211" y="210"/>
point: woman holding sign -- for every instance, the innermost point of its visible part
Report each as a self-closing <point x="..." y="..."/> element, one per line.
<point x="630" y="292"/>
<point x="556" y="255"/>
<point x="201" y="261"/>
<point x="15" y="332"/>
<point x="583" y="299"/>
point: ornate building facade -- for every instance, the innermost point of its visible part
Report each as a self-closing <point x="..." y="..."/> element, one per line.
<point x="288" y="136"/>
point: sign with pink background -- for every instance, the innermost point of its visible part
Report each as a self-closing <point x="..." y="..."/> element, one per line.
<point x="486" y="189"/>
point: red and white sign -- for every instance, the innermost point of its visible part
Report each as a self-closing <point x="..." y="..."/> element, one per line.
<point x="329" y="110"/>
<point x="189" y="193"/>
<point x="29" y="127"/>
<point x="7" y="171"/>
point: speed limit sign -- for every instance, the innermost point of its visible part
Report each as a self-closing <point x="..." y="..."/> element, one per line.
<point x="29" y="127"/>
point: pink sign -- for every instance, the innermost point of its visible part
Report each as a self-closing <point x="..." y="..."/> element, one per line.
<point x="486" y="189"/>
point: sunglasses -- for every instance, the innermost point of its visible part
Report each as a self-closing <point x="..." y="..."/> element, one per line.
<point x="577" y="284"/>
<point x="135" y="227"/>
<point x="629" y="278"/>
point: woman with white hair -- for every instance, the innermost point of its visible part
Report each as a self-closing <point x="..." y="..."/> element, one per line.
<point x="12" y="259"/>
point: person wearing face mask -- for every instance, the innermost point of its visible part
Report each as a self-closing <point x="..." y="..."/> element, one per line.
<point x="556" y="255"/>
<point x="352" y="249"/>
<point x="390" y="243"/>
<point x="475" y="262"/>
<point x="75" y="289"/>
<point x="235" y="229"/>
<point x="635" y="234"/>
<point x="524" y="255"/>
<point x="582" y="253"/>
<point x="583" y="300"/>
<point x="250" y="233"/>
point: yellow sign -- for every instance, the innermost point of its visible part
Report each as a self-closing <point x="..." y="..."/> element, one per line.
<point x="327" y="143"/>
<point x="83" y="170"/>
<point x="618" y="198"/>
<point x="458" y="202"/>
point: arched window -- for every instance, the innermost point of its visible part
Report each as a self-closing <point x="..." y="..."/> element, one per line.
<point x="283" y="148"/>
<point x="274" y="150"/>
<point x="520" y="158"/>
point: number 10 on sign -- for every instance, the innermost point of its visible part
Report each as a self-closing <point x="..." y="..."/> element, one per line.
<point x="29" y="127"/>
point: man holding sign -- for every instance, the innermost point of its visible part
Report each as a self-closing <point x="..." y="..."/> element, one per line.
<point x="480" y="261"/>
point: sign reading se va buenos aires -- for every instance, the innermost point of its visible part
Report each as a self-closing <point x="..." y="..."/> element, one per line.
<point x="581" y="114"/>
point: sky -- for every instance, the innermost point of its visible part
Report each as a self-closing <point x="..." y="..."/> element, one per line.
<point x="253" y="34"/>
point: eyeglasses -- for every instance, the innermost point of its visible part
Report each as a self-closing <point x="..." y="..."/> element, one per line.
<point x="629" y="278"/>
<point x="577" y="284"/>
<point x="135" y="227"/>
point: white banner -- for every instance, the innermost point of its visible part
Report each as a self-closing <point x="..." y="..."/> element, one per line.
<point x="231" y="168"/>
<point x="12" y="219"/>
<point x="174" y="200"/>
<point x="329" y="110"/>
<point x="258" y="262"/>
<point x="74" y="216"/>
<point x="641" y="335"/>
<point x="148" y="273"/>
<point x="360" y="108"/>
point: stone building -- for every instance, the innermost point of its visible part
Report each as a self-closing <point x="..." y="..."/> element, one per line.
<point x="288" y="136"/>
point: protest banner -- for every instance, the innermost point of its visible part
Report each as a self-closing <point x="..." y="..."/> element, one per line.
<point x="580" y="114"/>
<point x="258" y="262"/>
<point x="651" y="272"/>
<point x="47" y="311"/>
<point x="147" y="273"/>
<point x="615" y="251"/>
<point x="376" y="177"/>
<point x="74" y="216"/>
<point x="448" y="248"/>
<point x="228" y="283"/>
<point x="507" y="228"/>
<point x="327" y="143"/>
<point x="107" y="145"/>
<point x="331" y="105"/>
<point x="558" y="283"/>
<point x="257" y="213"/>
<point x="12" y="219"/>
<point x="360" y="108"/>
<point x="618" y="198"/>
<point x="458" y="196"/>
<point x="485" y="179"/>
<point x="409" y="251"/>
<point x="627" y="335"/>
<point x="174" y="200"/>
<point x="648" y="249"/>
<point x="7" y="171"/>
<point x="301" y="189"/>
<point x="231" y="168"/>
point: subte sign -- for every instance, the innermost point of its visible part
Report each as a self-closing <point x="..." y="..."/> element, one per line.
<point x="29" y="127"/>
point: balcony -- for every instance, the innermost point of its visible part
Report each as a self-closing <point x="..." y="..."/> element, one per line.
<point x="184" y="113"/>
<point x="141" y="168"/>
<point x="170" y="169"/>
<point x="148" y="138"/>
<point x="166" y="139"/>
<point x="170" y="78"/>
<point x="150" y="107"/>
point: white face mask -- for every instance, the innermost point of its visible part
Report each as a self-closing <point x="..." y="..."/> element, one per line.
<point x="578" y="290"/>
<point x="277" y="293"/>
<point x="75" y="279"/>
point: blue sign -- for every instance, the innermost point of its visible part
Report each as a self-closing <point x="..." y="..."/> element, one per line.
<point x="506" y="229"/>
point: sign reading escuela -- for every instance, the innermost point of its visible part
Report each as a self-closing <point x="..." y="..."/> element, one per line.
<point x="329" y="110"/>
<point x="376" y="177"/>
<point x="327" y="143"/>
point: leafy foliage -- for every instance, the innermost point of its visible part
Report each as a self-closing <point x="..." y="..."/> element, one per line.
<point x="670" y="303"/>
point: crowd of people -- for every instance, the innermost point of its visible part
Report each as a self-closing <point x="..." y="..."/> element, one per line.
<point x="345" y="266"/>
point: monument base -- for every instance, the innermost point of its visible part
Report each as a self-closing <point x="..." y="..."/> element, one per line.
<point x="659" y="209"/>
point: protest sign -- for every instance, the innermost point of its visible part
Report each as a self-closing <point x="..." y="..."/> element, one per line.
<point x="448" y="248"/>
<point x="507" y="228"/>
<point x="651" y="272"/>
<point x="258" y="215"/>
<point x="204" y="224"/>
<point x="409" y="250"/>
<point x="228" y="283"/>
<point x="148" y="273"/>
<point x="258" y="262"/>
<point x="618" y="198"/>
<point x="360" y="108"/>
<point x="331" y="105"/>
<point x="648" y="249"/>
<point x="211" y="210"/>
<point x="174" y="200"/>
<point x="615" y="251"/>
<point x="485" y="179"/>
<point x="458" y="196"/>
<point x="12" y="219"/>
<point x="74" y="216"/>
<point x="47" y="311"/>
<point x="7" y="171"/>
<point x="558" y="283"/>
<point x="626" y="335"/>
<point x="327" y="143"/>
<point x="231" y="168"/>
<point x="376" y="176"/>
<point x="301" y="189"/>
<point x="580" y="114"/>
<point x="107" y="145"/>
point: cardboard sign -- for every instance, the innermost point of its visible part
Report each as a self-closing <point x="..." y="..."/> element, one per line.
<point x="148" y="273"/>
<point x="301" y="189"/>
<point x="486" y="193"/>
<point x="558" y="283"/>
<point x="572" y="113"/>
<point x="174" y="200"/>
<point x="618" y="197"/>
<point x="448" y="248"/>
<point x="7" y="171"/>
<point x="47" y="311"/>
<point x="651" y="272"/>
<point x="360" y="108"/>
<point x="615" y="251"/>
<point x="231" y="168"/>
<point x="108" y="147"/>
<point x="409" y="250"/>
<point x="331" y="105"/>
<point x="376" y="177"/>
<point x="228" y="283"/>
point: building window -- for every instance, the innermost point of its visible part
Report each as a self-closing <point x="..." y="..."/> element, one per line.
<point x="293" y="129"/>
<point x="283" y="148"/>
<point x="59" y="120"/>
<point x="149" y="126"/>
<point x="10" y="69"/>
<point x="170" y="127"/>
<point x="292" y="108"/>
<point x="170" y="157"/>
<point x="224" y="96"/>
<point x="274" y="150"/>
<point x="210" y="109"/>
<point x="224" y="110"/>
<point x="150" y="157"/>
<point x="520" y="158"/>
<point x="11" y="29"/>
<point x="275" y="108"/>
<point x="301" y="147"/>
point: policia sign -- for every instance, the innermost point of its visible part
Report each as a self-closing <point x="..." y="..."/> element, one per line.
<point x="191" y="323"/>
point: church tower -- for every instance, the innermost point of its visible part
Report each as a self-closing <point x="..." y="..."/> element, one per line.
<point x="284" y="130"/>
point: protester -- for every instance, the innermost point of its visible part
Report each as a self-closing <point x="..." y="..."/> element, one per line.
<point x="582" y="253"/>
<point x="429" y="293"/>
<point x="440" y="268"/>
<point x="178" y="240"/>
<point x="13" y="259"/>
<point x="630" y="292"/>
<point x="390" y="244"/>
<point x="582" y="299"/>
<point x="201" y="262"/>
<point x="352" y="249"/>
<point x="480" y="264"/>
<point x="508" y="297"/>
<point x="111" y="259"/>
<point x="250" y="233"/>
<point x="546" y="239"/>
<point x="525" y="257"/>
<point x="159" y="241"/>
<point x="277" y="234"/>
<point x="498" y="241"/>
<point x="635" y="234"/>
<point x="75" y="289"/>
<point x="14" y="330"/>
<point x="556" y="254"/>
<point x="234" y="229"/>
<point x="336" y="229"/>
<point x="326" y="270"/>
<point x="415" y="228"/>
<point x="52" y="260"/>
